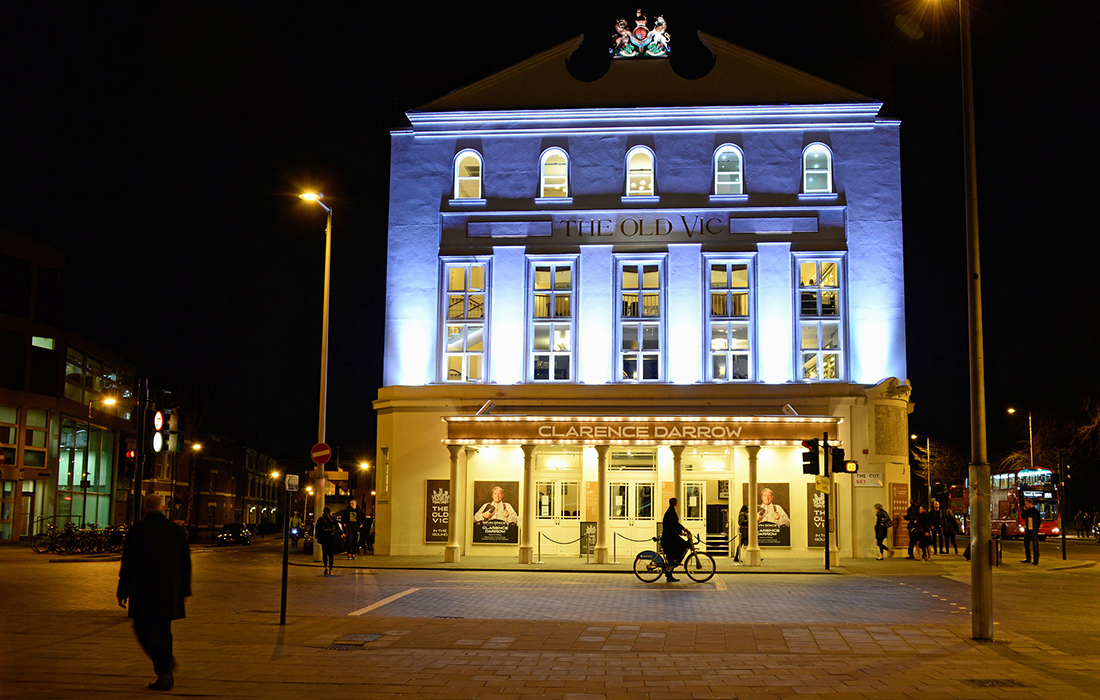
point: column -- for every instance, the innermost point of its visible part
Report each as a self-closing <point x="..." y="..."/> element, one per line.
<point x="461" y="498"/>
<point x="453" y="551"/>
<point x="753" y="550"/>
<point x="526" y="551"/>
<point x="601" y="506"/>
<point x="677" y="486"/>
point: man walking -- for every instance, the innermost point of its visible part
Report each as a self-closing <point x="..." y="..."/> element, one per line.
<point x="1032" y="519"/>
<point x="911" y="515"/>
<point x="352" y="518"/>
<point x="155" y="579"/>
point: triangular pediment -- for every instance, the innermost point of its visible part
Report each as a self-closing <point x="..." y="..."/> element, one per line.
<point x="739" y="77"/>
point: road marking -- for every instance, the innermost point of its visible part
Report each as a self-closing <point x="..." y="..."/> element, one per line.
<point x="384" y="601"/>
<point x="719" y="583"/>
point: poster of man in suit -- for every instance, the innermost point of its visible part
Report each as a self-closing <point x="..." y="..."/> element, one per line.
<point x="495" y="517"/>
<point x="773" y="503"/>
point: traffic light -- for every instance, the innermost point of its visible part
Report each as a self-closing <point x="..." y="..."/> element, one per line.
<point x="810" y="462"/>
<point x="160" y="430"/>
<point x="166" y="431"/>
<point x="129" y="467"/>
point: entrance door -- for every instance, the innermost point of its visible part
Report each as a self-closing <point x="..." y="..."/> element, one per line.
<point x="633" y="517"/>
<point x="558" y="516"/>
<point x="693" y="511"/>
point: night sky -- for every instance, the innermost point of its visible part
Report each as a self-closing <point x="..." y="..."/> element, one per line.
<point x="162" y="146"/>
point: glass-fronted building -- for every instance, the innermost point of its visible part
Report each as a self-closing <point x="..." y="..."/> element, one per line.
<point x="602" y="294"/>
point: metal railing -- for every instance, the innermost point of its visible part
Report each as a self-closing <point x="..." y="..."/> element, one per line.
<point x="591" y="545"/>
<point x="615" y="545"/>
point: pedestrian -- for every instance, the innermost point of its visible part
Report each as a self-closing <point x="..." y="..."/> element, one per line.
<point x="1032" y="518"/>
<point x="911" y="514"/>
<point x="1088" y="524"/>
<point x="924" y="532"/>
<point x="352" y="518"/>
<point x="950" y="529"/>
<point x="672" y="540"/>
<point x="883" y="523"/>
<point x="1079" y="523"/>
<point x="935" y="516"/>
<point x="742" y="531"/>
<point x="326" y="537"/>
<point x="154" y="583"/>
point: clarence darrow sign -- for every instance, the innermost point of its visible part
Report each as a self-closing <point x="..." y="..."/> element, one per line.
<point x="518" y="430"/>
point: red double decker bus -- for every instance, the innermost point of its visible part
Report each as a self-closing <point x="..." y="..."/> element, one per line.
<point x="1010" y="489"/>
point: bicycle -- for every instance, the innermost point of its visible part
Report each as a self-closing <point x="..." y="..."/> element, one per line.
<point x="651" y="565"/>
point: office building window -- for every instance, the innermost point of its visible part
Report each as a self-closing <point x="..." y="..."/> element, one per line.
<point x="820" y="319"/>
<point x="730" y="320"/>
<point x="640" y="177"/>
<point x="728" y="171"/>
<point x="552" y="325"/>
<point x="554" y="173"/>
<point x="640" y="320"/>
<point x="817" y="169"/>
<point x="464" y="303"/>
<point x="467" y="183"/>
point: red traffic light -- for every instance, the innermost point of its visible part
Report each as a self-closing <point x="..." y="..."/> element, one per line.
<point x="131" y="454"/>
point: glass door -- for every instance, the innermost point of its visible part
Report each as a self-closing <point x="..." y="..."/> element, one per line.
<point x="557" y="516"/>
<point x="633" y="522"/>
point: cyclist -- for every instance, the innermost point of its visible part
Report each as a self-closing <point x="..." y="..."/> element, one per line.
<point x="671" y="539"/>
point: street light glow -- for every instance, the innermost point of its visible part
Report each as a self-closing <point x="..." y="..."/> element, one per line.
<point x="275" y="475"/>
<point x="312" y="196"/>
<point x="364" y="465"/>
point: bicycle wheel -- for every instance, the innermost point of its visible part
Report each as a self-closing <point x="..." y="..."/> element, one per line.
<point x="646" y="570"/>
<point x="699" y="567"/>
<point x="42" y="542"/>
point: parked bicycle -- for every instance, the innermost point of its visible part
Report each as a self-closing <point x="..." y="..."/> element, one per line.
<point x="651" y="565"/>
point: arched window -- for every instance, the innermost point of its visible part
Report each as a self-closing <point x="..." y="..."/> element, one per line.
<point x="817" y="169"/>
<point x="639" y="172"/>
<point x="554" y="173"/>
<point x="468" y="175"/>
<point x="728" y="171"/>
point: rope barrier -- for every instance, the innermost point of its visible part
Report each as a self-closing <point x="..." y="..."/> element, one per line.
<point x="541" y="535"/>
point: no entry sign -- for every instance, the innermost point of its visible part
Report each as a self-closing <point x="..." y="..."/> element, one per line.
<point x="321" y="453"/>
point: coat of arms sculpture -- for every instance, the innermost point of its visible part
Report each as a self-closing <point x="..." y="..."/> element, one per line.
<point x="643" y="40"/>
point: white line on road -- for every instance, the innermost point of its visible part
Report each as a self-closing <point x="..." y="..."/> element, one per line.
<point x="719" y="583"/>
<point x="384" y="601"/>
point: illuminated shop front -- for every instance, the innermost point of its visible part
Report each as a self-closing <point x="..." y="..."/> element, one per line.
<point x="641" y="286"/>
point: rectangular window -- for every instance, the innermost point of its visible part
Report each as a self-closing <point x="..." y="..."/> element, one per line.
<point x="729" y="312"/>
<point x="820" y="319"/>
<point x="641" y="327"/>
<point x="551" y="312"/>
<point x="464" y="303"/>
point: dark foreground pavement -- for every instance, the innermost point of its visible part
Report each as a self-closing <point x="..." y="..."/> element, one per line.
<point x="62" y="636"/>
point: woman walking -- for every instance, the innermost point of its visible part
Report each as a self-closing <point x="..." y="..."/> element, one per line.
<point x="326" y="537"/>
<point x="924" y="532"/>
<point x="883" y="522"/>
<point x="950" y="529"/>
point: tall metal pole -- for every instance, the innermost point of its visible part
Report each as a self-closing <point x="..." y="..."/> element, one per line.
<point x="319" y="494"/>
<point x="1030" y="443"/>
<point x="286" y="555"/>
<point x="981" y="572"/>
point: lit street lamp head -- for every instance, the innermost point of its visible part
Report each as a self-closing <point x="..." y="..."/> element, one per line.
<point x="312" y="196"/>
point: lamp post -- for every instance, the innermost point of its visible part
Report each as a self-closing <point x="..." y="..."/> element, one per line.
<point x="1030" y="440"/>
<point x="928" y="470"/>
<point x="319" y="494"/>
<point x="365" y="466"/>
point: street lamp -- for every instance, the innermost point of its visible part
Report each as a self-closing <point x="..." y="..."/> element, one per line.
<point x="108" y="401"/>
<point x="928" y="470"/>
<point x="1030" y="440"/>
<point x="319" y="496"/>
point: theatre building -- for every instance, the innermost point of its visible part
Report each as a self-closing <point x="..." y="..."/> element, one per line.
<point x="602" y="294"/>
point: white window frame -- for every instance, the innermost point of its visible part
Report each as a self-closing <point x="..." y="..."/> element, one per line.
<point x="459" y="179"/>
<point x="820" y="319"/>
<point x="810" y="150"/>
<point x="555" y="151"/>
<point x="636" y="325"/>
<point x="729" y="148"/>
<point x="470" y="324"/>
<point x="647" y="190"/>
<point x="728" y="321"/>
<point x="554" y="321"/>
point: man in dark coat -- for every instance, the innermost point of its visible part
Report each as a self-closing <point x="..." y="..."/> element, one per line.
<point x="1032" y="518"/>
<point x="671" y="540"/>
<point x="155" y="578"/>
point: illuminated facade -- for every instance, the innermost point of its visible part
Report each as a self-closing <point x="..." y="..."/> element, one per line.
<point x="630" y="278"/>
